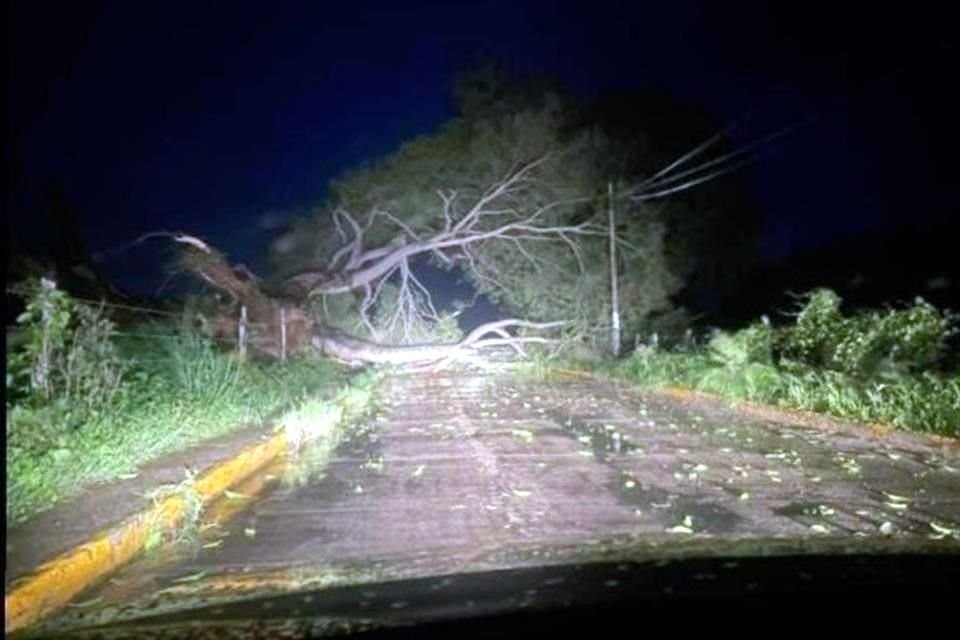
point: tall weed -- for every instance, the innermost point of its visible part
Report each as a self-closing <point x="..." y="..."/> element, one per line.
<point x="199" y="369"/>
<point x="66" y="371"/>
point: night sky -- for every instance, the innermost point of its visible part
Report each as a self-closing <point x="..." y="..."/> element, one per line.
<point x="219" y="119"/>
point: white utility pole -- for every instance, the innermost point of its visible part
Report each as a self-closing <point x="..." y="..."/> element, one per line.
<point x="614" y="293"/>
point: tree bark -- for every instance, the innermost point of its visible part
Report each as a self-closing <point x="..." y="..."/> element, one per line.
<point x="355" y="351"/>
<point x="614" y="292"/>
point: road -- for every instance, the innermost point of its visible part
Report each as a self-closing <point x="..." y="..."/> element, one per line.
<point x="468" y="472"/>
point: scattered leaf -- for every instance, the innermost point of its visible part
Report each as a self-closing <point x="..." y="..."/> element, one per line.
<point x="194" y="577"/>
<point x="947" y="531"/>
<point x="86" y="603"/>
<point x="154" y="538"/>
<point x="523" y="434"/>
<point x="896" y="498"/>
<point x="250" y="532"/>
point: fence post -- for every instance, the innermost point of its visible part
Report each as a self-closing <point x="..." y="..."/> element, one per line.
<point x="242" y="333"/>
<point x="40" y="372"/>
<point x="283" y="335"/>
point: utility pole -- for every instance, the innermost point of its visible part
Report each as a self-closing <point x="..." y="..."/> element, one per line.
<point x="614" y="293"/>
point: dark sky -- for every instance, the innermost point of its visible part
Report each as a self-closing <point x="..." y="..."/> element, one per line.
<point x="217" y="118"/>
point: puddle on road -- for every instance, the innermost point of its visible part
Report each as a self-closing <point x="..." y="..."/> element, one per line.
<point x="603" y="439"/>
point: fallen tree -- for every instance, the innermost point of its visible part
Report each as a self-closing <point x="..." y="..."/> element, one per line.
<point x="354" y="351"/>
<point x="209" y="265"/>
<point x="521" y="204"/>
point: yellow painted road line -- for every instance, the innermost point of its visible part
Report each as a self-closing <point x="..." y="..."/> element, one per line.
<point x="56" y="582"/>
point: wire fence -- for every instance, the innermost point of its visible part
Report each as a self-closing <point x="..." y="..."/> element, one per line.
<point x="245" y="330"/>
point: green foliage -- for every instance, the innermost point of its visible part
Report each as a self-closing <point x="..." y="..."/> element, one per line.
<point x="751" y="345"/>
<point x="31" y="369"/>
<point x="751" y="380"/>
<point x="922" y="403"/>
<point x="813" y="338"/>
<point x="150" y="418"/>
<point x="870" y="344"/>
<point x="318" y="426"/>
<point x="538" y="279"/>
<point x="877" y="366"/>
<point x="662" y="368"/>
<point x="177" y="389"/>
<point x="742" y="363"/>
<point x="199" y="369"/>
<point x="65" y="372"/>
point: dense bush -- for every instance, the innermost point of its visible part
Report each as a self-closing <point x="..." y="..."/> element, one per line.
<point x="876" y="366"/>
<point x="67" y="367"/>
<point x="869" y="344"/>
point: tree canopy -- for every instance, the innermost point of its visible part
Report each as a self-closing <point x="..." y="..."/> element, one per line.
<point x="513" y="194"/>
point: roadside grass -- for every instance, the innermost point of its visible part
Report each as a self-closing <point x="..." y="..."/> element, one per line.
<point x="315" y="427"/>
<point x="318" y="426"/>
<point x="177" y="390"/>
<point x="877" y="366"/>
<point x="925" y="403"/>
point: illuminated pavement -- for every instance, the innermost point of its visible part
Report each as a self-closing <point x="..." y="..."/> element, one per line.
<point x="461" y="473"/>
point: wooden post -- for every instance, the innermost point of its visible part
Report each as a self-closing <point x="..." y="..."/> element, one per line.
<point x="283" y="335"/>
<point x="242" y="333"/>
<point x="614" y="292"/>
<point x="40" y="372"/>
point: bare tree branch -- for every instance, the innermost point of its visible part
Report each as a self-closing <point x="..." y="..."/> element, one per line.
<point x="350" y="349"/>
<point x="365" y="267"/>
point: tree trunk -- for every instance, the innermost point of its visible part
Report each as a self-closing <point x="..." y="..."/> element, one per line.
<point x="346" y="348"/>
<point x="614" y="292"/>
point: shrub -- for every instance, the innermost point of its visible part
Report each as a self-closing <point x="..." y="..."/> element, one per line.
<point x="68" y="355"/>
<point x="871" y="344"/>
<point x="199" y="369"/>
<point x="753" y="344"/>
<point x="813" y="338"/>
<point x="64" y="373"/>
